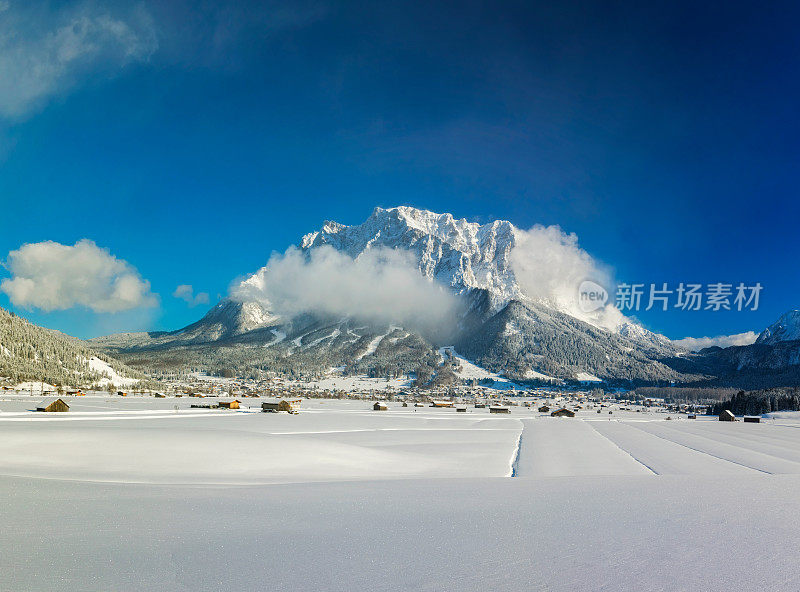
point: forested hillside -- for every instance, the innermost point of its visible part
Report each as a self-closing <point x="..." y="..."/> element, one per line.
<point x="30" y="352"/>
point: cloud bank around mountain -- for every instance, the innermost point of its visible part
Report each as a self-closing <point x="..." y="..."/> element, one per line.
<point x="52" y="276"/>
<point x="698" y="343"/>
<point x="550" y="266"/>
<point x="380" y="285"/>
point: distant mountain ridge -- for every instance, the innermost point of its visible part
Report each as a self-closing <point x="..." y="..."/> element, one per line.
<point x="772" y="361"/>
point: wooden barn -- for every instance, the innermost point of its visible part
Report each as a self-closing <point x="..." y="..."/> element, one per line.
<point x="442" y="404"/>
<point x="748" y="419"/>
<point x="57" y="406"/>
<point x="727" y="415"/>
<point x="282" y="405"/>
<point x="380" y="406"/>
<point x="461" y="409"/>
<point x="292" y="406"/>
<point x="229" y="404"/>
<point x="544" y="409"/>
<point x="495" y="409"/>
<point x="563" y="412"/>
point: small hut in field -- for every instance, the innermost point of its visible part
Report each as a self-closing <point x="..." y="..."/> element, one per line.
<point x="544" y="409"/>
<point x="380" y="406"/>
<point x="752" y="419"/>
<point x="282" y="405"/>
<point x="498" y="409"/>
<point x="57" y="406"/>
<point x="727" y="415"/>
<point x="563" y="412"/>
<point x="229" y="404"/>
<point x="289" y="406"/>
<point x="442" y="404"/>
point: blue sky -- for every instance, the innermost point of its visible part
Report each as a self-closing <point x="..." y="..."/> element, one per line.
<point x="193" y="139"/>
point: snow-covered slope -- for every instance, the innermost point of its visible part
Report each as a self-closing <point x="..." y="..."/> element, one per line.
<point x="786" y="328"/>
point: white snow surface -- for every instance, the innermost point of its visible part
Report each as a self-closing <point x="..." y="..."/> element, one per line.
<point x="372" y="346"/>
<point x="586" y="377"/>
<point x="130" y="494"/>
<point x="101" y="367"/>
<point x="470" y="371"/>
<point x="279" y="336"/>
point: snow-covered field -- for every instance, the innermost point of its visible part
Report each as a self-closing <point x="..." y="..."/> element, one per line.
<point x="134" y="494"/>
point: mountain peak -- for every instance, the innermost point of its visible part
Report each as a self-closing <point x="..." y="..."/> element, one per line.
<point x="459" y="254"/>
<point x="786" y="328"/>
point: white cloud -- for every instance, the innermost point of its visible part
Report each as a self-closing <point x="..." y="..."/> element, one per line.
<point x="380" y="285"/>
<point x="186" y="293"/>
<point x="550" y="266"/>
<point x="698" y="343"/>
<point x="45" y="53"/>
<point x="51" y="276"/>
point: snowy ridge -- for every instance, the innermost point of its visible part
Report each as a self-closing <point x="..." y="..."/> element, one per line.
<point x="786" y="328"/>
<point x="454" y="252"/>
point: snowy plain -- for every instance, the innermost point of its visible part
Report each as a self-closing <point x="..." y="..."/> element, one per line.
<point x="132" y="494"/>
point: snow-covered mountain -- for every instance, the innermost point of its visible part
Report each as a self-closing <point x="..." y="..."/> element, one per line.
<point x="461" y="255"/>
<point x="502" y="327"/>
<point x="786" y="328"/>
<point x="455" y="253"/>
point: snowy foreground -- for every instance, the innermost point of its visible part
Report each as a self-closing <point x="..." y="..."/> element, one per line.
<point x="132" y="494"/>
